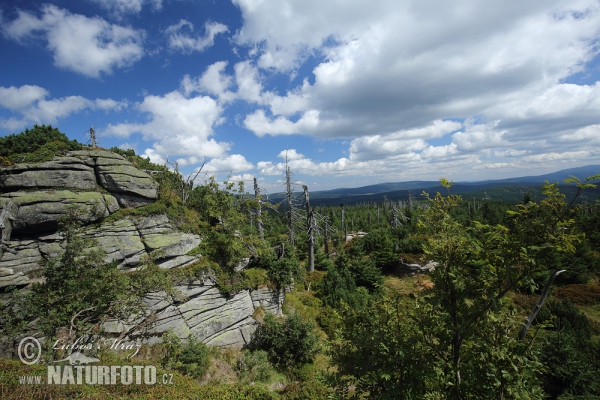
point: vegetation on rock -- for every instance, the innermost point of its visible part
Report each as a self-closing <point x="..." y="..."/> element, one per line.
<point x="356" y="327"/>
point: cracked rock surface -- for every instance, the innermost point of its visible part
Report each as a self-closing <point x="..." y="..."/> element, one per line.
<point x="100" y="183"/>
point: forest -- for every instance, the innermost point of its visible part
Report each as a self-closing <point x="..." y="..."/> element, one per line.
<point x="363" y="317"/>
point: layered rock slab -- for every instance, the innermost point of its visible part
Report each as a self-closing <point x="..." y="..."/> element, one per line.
<point x="205" y="313"/>
<point x="131" y="187"/>
<point x="39" y="211"/>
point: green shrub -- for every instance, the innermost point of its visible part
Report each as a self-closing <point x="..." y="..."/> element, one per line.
<point x="571" y="358"/>
<point x="255" y="277"/>
<point x="338" y="285"/>
<point x="289" y="341"/>
<point x="18" y="147"/>
<point x="254" y="366"/>
<point x="366" y="274"/>
<point x="329" y="320"/>
<point x="191" y="358"/>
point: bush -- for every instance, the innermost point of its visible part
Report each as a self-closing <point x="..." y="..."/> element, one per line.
<point x="190" y="358"/>
<point x="367" y="274"/>
<point x="18" y="147"/>
<point x="289" y="342"/>
<point x="337" y="286"/>
<point x="571" y="358"/>
<point x="254" y="366"/>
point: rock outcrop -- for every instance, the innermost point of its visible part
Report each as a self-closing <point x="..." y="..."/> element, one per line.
<point x="412" y="269"/>
<point x="99" y="183"/>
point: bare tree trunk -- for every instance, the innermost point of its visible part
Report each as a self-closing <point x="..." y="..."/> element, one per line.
<point x="288" y="185"/>
<point x="259" y="221"/>
<point x="310" y="227"/>
<point x="326" y="238"/>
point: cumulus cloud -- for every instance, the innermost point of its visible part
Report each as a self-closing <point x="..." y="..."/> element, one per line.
<point x="120" y="7"/>
<point x="89" y="46"/>
<point x="180" y="36"/>
<point x="231" y="163"/>
<point x="29" y="105"/>
<point x="177" y="126"/>
<point x="386" y="68"/>
<point x="262" y="125"/>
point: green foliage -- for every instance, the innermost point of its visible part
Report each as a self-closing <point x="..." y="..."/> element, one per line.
<point x="480" y="264"/>
<point x="282" y="271"/>
<point x="254" y="366"/>
<point x="366" y="274"/>
<point x="255" y="277"/>
<point x="41" y="143"/>
<point x="571" y="358"/>
<point x="378" y="346"/>
<point x="311" y="390"/>
<point x="337" y="286"/>
<point x="81" y="291"/>
<point x="190" y="358"/>
<point x="289" y="341"/>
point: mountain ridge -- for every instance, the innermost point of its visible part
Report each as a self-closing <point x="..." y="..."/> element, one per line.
<point x="395" y="191"/>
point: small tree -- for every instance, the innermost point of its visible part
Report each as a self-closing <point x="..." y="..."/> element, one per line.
<point x="480" y="264"/>
<point x="289" y="342"/>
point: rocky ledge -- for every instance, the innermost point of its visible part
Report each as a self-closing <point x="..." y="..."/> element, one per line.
<point x="99" y="183"/>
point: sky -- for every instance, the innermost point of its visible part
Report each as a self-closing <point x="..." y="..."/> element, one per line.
<point x="351" y="92"/>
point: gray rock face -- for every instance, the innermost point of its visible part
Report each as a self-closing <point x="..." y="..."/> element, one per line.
<point x="39" y="194"/>
<point x="127" y="240"/>
<point x="40" y="210"/>
<point x="413" y="269"/>
<point x="9" y="278"/>
<point x="129" y="185"/>
<point x="62" y="172"/>
<point x="206" y="314"/>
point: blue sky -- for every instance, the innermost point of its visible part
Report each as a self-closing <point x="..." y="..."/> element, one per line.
<point x="354" y="92"/>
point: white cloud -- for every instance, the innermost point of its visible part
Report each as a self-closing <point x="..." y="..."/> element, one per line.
<point x="389" y="67"/>
<point x="180" y="40"/>
<point x="30" y="104"/>
<point x="177" y="125"/>
<point x="20" y="98"/>
<point x="231" y="163"/>
<point x="440" y="152"/>
<point x="396" y="144"/>
<point x="127" y="6"/>
<point x="290" y="155"/>
<point x="213" y="81"/>
<point x="89" y="46"/>
<point x="261" y="125"/>
<point x="479" y="137"/>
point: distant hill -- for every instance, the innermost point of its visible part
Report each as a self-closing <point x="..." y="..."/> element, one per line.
<point x="511" y="189"/>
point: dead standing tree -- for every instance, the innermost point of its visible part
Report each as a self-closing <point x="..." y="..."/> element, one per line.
<point x="310" y="227"/>
<point x="185" y="185"/>
<point x="289" y="198"/>
<point x="91" y="135"/>
<point x="259" y="220"/>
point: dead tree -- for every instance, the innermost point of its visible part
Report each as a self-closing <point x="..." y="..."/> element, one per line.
<point x="259" y="220"/>
<point x="394" y="217"/>
<point x="288" y="187"/>
<point x="539" y="304"/>
<point x="91" y="134"/>
<point x="343" y="223"/>
<point x="310" y="226"/>
<point x="326" y="236"/>
<point x="186" y="185"/>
